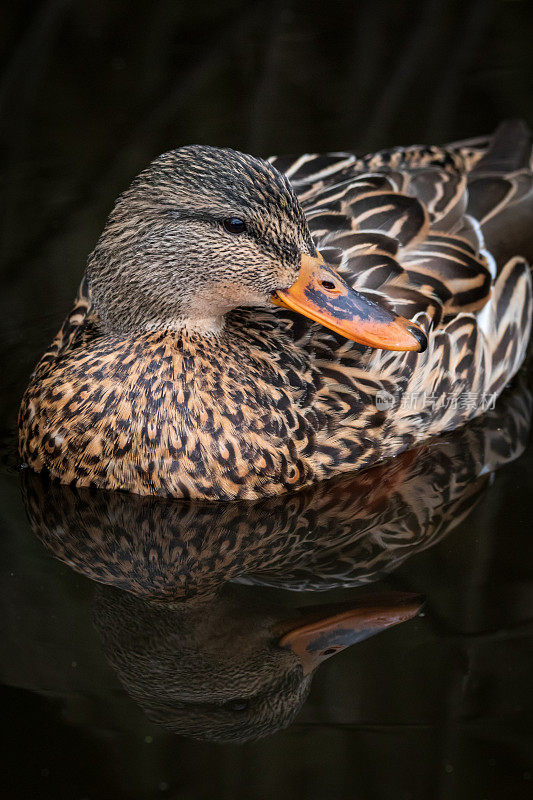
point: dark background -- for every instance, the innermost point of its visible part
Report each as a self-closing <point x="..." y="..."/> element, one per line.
<point x="90" y="92"/>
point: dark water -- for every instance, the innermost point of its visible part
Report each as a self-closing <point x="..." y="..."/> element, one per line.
<point x="101" y="686"/>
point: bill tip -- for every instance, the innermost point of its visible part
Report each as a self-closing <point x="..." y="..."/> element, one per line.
<point x="420" y="337"/>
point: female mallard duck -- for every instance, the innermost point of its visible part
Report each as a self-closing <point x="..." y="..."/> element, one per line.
<point x="176" y="375"/>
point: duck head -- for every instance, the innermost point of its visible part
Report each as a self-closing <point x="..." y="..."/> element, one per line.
<point x="204" y="230"/>
<point x="232" y="668"/>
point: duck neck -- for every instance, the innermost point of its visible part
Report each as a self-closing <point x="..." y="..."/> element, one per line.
<point x="209" y="327"/>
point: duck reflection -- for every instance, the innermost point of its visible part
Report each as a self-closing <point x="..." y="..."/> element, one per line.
<point x="234" y="668"/>
<point x="206" y="655"/>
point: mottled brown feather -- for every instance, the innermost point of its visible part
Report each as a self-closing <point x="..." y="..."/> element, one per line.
<point x="274" y="402"/>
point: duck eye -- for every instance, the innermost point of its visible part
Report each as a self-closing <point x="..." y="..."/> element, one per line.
<point x="234" y="225"/>
<point x="238" y="705"/>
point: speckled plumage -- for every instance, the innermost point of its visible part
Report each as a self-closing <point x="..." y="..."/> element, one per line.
<point x="339" y="533"/>
<point x="271" y="402"/>
<point x="186" y="643"/>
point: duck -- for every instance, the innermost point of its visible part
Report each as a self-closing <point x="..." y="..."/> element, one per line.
<point x="247" y="328"/>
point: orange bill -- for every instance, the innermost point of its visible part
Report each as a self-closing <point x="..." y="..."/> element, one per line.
<point x="322" y="295"/>
<point x="318" y="633"/>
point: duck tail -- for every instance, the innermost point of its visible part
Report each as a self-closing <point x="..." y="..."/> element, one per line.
<point x="500" y="183"/>
<point x="502" y="177"/>
<point x="500" y="196"/>
<point x="508" y="150"/>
